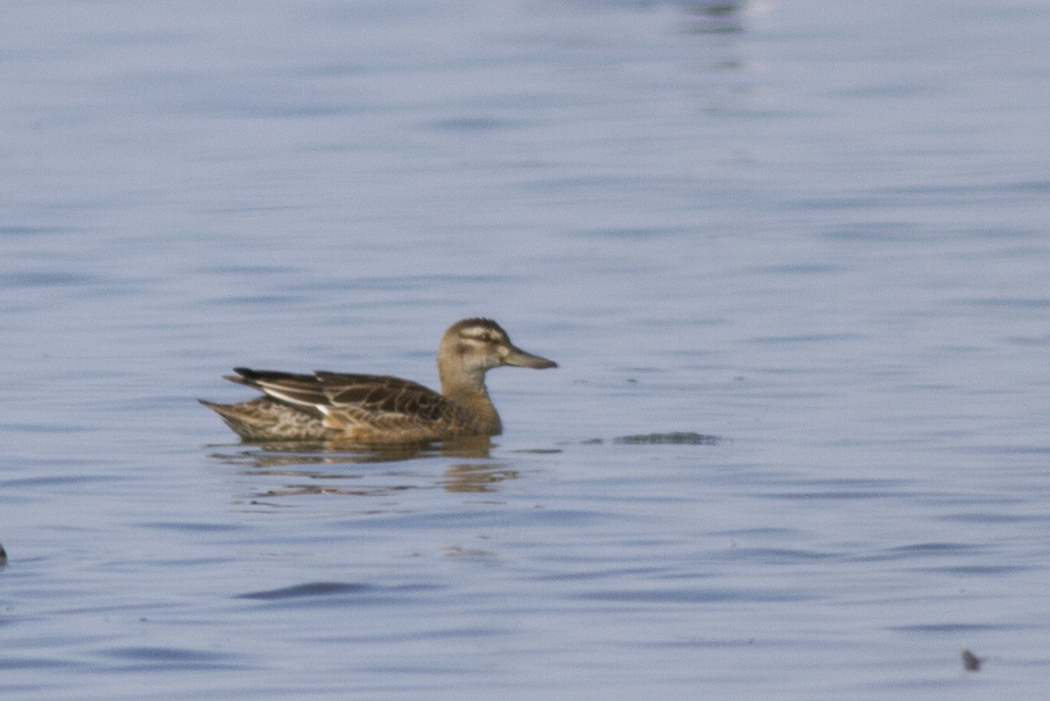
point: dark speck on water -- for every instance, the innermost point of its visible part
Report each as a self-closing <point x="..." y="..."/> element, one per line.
<point x="971" y="662"/>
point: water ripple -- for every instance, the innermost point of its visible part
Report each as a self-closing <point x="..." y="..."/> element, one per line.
<point x="695" y="596"/>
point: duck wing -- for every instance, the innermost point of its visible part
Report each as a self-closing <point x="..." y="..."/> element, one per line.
<point x="382" y="396"/>
<point x="291" y="388"/>
<point x="365" y="407"/>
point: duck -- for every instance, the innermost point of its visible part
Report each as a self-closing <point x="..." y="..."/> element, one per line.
<point x="381" y="409"/>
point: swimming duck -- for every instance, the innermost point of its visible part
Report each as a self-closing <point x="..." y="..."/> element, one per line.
<point x="379" y="409"/>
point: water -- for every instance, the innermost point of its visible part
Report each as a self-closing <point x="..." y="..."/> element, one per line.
<point x="814" y="231"/>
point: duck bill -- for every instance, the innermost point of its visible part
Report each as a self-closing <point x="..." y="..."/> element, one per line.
<point x="519" y="358"/>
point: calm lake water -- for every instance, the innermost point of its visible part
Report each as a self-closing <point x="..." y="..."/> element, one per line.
<point x="817" y="231"/>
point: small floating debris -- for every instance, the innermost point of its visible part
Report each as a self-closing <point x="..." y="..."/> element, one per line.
<point x="971" y="662"/>
<point x="677" y="438"/>
<point x="3" y="556"/>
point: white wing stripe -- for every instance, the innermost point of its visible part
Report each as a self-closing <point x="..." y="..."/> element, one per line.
<point x="276" y="393"/>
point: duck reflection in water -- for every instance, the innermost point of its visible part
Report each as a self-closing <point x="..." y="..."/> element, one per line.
<point x="307" y="469"/>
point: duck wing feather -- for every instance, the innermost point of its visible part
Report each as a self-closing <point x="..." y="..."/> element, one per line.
<point x="383" y="395"/>
<point x="362" y="405"/>
<point x="302" y="390"/>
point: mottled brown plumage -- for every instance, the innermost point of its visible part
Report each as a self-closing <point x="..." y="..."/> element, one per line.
<point x="377" y="409"/>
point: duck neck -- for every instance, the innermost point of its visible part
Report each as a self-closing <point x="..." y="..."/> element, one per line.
<point x="467" y="391"/>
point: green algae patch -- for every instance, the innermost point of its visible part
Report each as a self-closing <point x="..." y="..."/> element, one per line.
<point x="677" y="438"/>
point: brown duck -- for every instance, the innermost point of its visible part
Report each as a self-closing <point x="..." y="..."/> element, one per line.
<point x="378" y="409"/>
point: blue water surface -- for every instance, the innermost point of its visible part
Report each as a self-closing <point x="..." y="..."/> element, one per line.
<point x="812" y="234"/>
